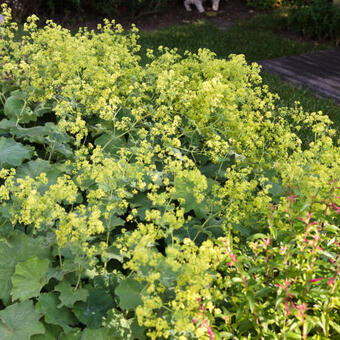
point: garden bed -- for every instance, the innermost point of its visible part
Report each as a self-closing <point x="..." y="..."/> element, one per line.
<point x="164" y="197"/>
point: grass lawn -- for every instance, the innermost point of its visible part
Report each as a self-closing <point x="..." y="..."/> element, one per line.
<point x="258" y="39"/>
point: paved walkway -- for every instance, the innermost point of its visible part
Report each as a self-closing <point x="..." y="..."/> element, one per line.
<point x="319" y="71"/>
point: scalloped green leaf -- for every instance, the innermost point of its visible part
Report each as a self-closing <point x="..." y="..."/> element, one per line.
<point x="92" y="311"/>
<point x="128" y="292"/>
<point x="29" y="277"/>
<point x="19" y="322"/>
<point x="16" y="248"/>
<point x="68" y="296"/>
<point x="17" y="110"/>
<point x="48" y="306"/>
<point x="51" y="333"/>
<point x="34" y="134"/>
<point x="110" y="143"/>
<point x="185" y="190"/>
<point x="99" y="334"/>
<point x="13" y="153"/>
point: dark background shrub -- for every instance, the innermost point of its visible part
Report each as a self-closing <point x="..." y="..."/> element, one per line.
<point x="58" y="8"/>
<point x="263" y="4"/>
<point x="315" y="18"/>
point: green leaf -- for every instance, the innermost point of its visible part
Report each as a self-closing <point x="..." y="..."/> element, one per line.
<point x="49" y="134"/>
<point x="92" y="311"/>
<point x="309" y="324"/>
<point x="112" y="253"/>
<point x="110" y="143"/>
<point x="6" y="126"/>
<point x="98" y="334"/>
<point x="62" y="317"/>
<point x="251" y="300"/>
<point x="335" y="326"/>
<point x="215" y="171"/>
<point x="34" y="135"/>
<point x="115" y="222"/>
<point x="185" y="190"/>
<point x="138" y="332"/>
<point x="64" y="149"/>
<point x="6" y="272"/>
<point x="29" y="277"/>
<point x="51" y="333"/>
<point x="12" y="153"/>
<point x="74" y="335"/>
<point x="276" y="191"/>
<point x="244" y="326"/>
<point x="16" y="248"/>
<point x="37" y="167"/>
<point x="140" y="200"/>
<point x="293" y="336"/>
<point x="168" y="275"/>
<point x="128" y="292"/>
<point x="8" y="86"/>
<point x="16" y="109"/>
<point x="332" y="228"/>
<point x="5" y="221"/>
<point x="68" y="296"/>
<point x="19" y="322"/>
<point x="42" y="108"/>
<point x="54" y="133"/>
<point x="263" y="292"/>
<point x="323" y="321"/>
<point x="256" y="236"/>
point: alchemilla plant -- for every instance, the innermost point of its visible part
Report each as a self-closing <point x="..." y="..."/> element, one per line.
<point x="173" y="200"/>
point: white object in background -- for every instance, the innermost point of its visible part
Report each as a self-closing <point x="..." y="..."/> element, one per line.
<point x="1" y="19"/>
<point x="197" y="3"/>
<point x="199" y="6"/>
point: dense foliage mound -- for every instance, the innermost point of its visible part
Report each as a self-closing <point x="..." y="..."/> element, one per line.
<point x="173" y="200"/>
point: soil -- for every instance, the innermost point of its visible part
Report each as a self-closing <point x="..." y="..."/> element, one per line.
<point x="230" y="12"/>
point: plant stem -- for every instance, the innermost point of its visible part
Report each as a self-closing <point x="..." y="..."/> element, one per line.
<point x="52" y="150"/>
<point x="60" y="259"/>
<point x="78" y="281"/>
